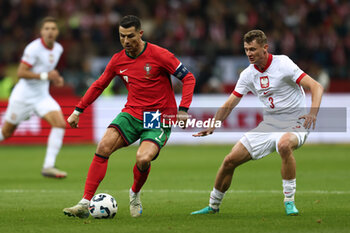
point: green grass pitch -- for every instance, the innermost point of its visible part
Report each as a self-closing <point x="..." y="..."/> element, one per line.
<point x="179" y="183"/>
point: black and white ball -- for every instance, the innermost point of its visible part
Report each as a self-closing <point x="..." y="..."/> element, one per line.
<point x="103" y="205"/>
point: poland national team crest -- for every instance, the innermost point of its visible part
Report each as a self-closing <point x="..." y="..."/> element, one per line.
<point x="51" y="58"/>
<point x="264" y="82"/>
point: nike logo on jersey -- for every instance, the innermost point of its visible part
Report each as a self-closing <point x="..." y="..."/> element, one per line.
<point x="265" y="92"/>
<point x="122" y="71"/>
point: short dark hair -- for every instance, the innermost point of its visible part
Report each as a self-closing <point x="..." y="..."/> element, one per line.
<point x="130" y="21"/>
<point x="257" y="35"/>
<point x="47" y="19"/>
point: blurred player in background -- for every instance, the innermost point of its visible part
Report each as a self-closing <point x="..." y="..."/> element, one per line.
<point x="145" y="69"/>
<point x="278" y="83"/>
<point x="31" y="93"/>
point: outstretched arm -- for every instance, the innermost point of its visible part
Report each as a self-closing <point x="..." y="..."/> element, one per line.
<point x="94" y="91"/>
<point x="316" y="95"/>
<point x="222" y="113"/>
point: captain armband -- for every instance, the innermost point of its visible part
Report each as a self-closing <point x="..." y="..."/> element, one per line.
<point x="181" y="71"/>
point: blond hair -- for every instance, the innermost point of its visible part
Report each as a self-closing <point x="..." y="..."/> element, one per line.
<point x="257" y="35"/>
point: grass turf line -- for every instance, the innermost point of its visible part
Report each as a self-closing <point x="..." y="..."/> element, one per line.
<point x="252" y="208"/>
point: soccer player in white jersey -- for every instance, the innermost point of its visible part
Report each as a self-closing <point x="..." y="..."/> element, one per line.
<point x="279" y="83"/>
<point x="31" y="93"/>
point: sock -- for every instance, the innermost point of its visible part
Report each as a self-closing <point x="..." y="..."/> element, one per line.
<point x="54" y="144"/>
<point x="132" y="192"/>
<point x="97" y="172"/>
<point x="215" y="198"/>
<point x="1" y="135"/>
<point x="289" y="187"/>
<point x="140" y="178"/>
<point x="84" y="201"/>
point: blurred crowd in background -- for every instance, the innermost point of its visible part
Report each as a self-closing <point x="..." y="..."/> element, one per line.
<point x="313" y="33"/>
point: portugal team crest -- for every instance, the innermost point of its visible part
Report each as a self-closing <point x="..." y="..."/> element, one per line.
<point x="264" y="82"/>
<point x="51" y="58"/>
<point x="147" y="68"/>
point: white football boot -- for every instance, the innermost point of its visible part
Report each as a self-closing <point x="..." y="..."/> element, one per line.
<point x="53" y="172"/>
<point x="80" y="210"/>
<point x="135" y="204"/>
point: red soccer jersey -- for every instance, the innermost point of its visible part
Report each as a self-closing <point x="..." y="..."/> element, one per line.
<point x="147" y="78"/>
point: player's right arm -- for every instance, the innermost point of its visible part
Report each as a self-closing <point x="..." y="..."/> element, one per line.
<point x="94" y="91"/>
<point x="29" y="59"/>
<point x="242" y="88"/>
<point x="222" y="113"/>
<point x="24" y="71"/>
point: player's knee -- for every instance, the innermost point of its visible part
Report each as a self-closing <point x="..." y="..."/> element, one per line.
<point x="285" y="146"/>
<point x="143" y="157"/>
<point x="7" y="130"/>
<point x="104" y="149"/>
<point x="229" y="163"/>
<point x="7" y="134"/>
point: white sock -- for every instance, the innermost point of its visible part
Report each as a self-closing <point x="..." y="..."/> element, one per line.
<point x="84" y="201"/>
<point x="54" y="144"/>
<point x="1" y="135"/>
<point x="215" y="198"/>
<point x="132" y="192"/>
<point x="289" y="187"/>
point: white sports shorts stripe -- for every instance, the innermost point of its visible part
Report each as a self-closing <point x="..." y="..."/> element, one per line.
<point x="18" y="111"/>
<point x="263" y="140"/>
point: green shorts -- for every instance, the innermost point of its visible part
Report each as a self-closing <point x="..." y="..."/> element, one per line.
<point x="132" y="129"/>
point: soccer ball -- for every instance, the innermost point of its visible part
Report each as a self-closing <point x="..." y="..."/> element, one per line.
<point x="103" y="205"/>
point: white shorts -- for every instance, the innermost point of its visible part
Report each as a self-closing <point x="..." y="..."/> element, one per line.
<point x="18" y="111"/>
<point x="263" y="140"/>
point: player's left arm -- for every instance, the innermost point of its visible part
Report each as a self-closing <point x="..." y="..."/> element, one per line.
<point x="176" y="68"/>
<point x="316" y="96"/>
<point x="189" y="83"/>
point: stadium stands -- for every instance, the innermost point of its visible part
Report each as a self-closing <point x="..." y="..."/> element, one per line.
<point x="307" y="31"/>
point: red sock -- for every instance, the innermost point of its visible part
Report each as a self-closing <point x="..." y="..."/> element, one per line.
<point x="97" y="171"/>
<point x="140" y="178"/>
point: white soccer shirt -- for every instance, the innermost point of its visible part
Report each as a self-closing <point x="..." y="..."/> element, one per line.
<point x="277" y="87"/>
<point x="41" y="59"/>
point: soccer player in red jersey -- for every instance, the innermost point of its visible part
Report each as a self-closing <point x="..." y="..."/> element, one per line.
<point x="145" y="69"/>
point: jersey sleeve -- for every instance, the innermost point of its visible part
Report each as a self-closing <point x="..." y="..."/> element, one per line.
<point x="189" y="83"/>
<point x="173" y="66"/>
<point x="292" y="70"/>
<point x="61" y="48"/>
<point x="96" y="89"/>
<point x="29" y="55"/>
<point x="242" y="86"/>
